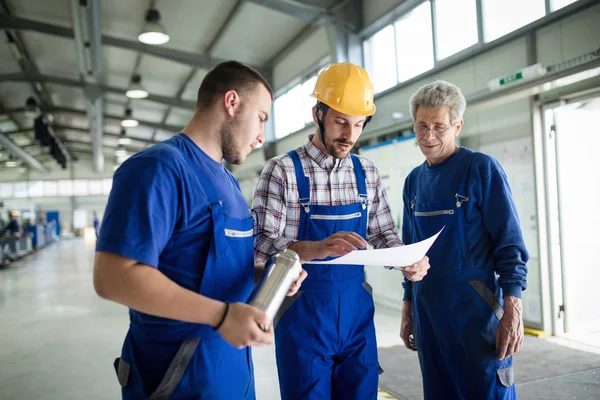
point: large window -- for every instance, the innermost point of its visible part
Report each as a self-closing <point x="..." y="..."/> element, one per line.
<point x="293" y="109"/>
<point x="66" y="187"/>
<point x="6" y="190"/>
<point x="308" y="101"/>
<point x="95" y="187"/>
<point x="380" y="59"/>
<point x="414" y="42"/>
<point x="455" y="26"/>
<point x="51" y="188"/>
<point x="404" y="48"/>
<point x="36" y="189"/>
<point x="558" y="4"/>
<point x="504" y="16"/>
<point x="20" y="189"/>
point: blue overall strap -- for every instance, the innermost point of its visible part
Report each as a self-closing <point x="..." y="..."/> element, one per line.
<point x="361" y="180"/>
<point x="302" y="181"/>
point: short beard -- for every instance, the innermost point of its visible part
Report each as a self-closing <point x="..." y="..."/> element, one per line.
<point x="228" y="145"/>
<point x="333" y="151"/>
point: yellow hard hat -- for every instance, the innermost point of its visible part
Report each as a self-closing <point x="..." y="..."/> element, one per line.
<point x="347" y="88"/>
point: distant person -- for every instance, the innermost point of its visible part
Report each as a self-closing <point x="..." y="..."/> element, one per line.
<point x="96" y="224"/>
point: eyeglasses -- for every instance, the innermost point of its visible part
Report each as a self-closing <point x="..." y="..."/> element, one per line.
<point x="422" y="130"/>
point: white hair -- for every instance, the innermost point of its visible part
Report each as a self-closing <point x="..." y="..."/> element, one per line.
<point x="438" y="94"/>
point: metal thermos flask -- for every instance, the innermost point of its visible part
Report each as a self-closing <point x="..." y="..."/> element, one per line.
<point x="281" y="271"/>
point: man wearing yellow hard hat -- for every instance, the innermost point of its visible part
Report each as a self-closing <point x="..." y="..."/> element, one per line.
<point x="321" y="201"/>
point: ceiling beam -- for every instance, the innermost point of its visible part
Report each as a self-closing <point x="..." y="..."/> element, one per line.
<point x="67" y="110"/>
<point x="292" y="45"/>
<point x="88" y="47"/>
<point x="28" y="66"/>
<point x="193" y="59"/>
<point x="312" y="14"/>
<point x="24" y="77"/>
<point x="76" y="129"/>
<point x="19" y="152"/>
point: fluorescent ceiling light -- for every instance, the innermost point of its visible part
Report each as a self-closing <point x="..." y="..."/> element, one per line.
<point x="136" y="91"/>
<point x="154" y="33"/>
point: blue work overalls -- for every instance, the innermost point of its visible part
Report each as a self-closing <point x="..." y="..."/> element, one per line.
<point x="457" y="307"/>
<point x="200" y="363"/>
<point x="325" y="339"/>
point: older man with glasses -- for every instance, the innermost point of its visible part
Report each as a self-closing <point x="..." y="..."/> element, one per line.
<point x="465" y="317"/>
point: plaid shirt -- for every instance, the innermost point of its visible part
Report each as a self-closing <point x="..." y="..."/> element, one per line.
<point x="333" y="183"/>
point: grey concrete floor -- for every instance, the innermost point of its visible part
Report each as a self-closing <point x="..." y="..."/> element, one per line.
<point x="58" y="339"/>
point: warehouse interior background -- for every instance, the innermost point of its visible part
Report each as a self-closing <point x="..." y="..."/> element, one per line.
<point x="80" y="93"/>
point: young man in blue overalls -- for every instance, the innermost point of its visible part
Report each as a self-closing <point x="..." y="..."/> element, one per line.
<point x="321" y="201"/>
<point x="176" y="247"/>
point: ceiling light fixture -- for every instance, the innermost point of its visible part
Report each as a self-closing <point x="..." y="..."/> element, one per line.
<point x="136" y="90"/>
<point x="122" y="139"/>
<point x="129" y="121"/>
<point x="153" y="33"/>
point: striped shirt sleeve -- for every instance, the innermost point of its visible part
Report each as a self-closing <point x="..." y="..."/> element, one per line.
<point x="270" y="207"/>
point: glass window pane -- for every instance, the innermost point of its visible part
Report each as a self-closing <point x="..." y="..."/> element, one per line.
<point x="380" y="59"/>
<point x="453" y="36"/>
<point x="80" y="187"/>
<point x="50" y="188"/>
<point x="504" y="16"/>
<point x="414" y="42"/>
<point x="36" y="189"/>
<point x="21" y="189"/>
<point x="308" y="101"/>
<point x="106" y="186"/>
<point x="6" y="190"/>
<point x="95" y="186"/>
<point x="288" y="112"/>
<point x="65" y="188"/>
<point x="279" y="112"/>
<point x="558" y="4"/>
<point x="296" y="97"/>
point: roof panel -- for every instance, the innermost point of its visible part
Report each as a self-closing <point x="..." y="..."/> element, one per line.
<point x="69" y="119"/>
<point x="251" y="36"/>
<point x="14" y="94"/>
<point x="191" y="24"/>
<point x="161" y="76"/>
<point x="163" y="135"/>
<point x="118" y="65"/>
<point x="53" y="55"/>
<point x="113" y="109"/>
<point x="148" y="110"/>
<point x="66" y="96"/>
<point x="8" y="65"/>
<point x="49" y="11"/>
<point x="180" y="116"/>
<point x="123" y="19"/>
<point x="191" y="90"/>
<point x="77" y="135"/>
<point x="140" y="132"/>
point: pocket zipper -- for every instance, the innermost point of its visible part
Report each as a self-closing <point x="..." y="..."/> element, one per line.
<point x="433" y="213"/>
<point x="238" y="234"/>
<point x="336" y="217"/>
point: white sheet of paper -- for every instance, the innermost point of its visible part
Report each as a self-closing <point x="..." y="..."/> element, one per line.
<point x="393" y="257"/>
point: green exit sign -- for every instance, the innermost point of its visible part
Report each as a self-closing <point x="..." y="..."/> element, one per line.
<point x="511" y="78"/>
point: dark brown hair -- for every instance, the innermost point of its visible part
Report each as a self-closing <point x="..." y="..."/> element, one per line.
<point x="229" y="75"/>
